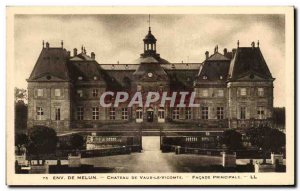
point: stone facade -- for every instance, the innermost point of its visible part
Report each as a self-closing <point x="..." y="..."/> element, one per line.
<point x="234" y="89"/>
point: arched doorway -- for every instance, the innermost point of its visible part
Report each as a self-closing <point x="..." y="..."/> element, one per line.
<point x="161" y="115"/>
<point x="139" y="115"/>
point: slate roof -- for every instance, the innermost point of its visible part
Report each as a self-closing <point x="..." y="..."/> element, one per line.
<point x="154" y="68"/>
<point x="173" y="66"/>
<point x="215" y="68"/>
<point x="87" y="70"/>
<point x="118" y="67"/>
<point x="182" y="66"/>
<point x="81" y="57"/>
<point x="146" y="59"/>
<point x="56" y="62"/>
<point x="249" y="60"/>
<point x="217" y="57"/>
<point x="52" y="62"/>
<point x="181" y="79"/>
<point x="84" y="66"/>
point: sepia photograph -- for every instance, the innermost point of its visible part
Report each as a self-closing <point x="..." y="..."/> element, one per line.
<point x="150" y="96"/>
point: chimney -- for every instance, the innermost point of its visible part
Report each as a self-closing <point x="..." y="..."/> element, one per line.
<point x="47" y="45"/>
<point x="253" y="44"/>
<point x="62" y="44"/>
<point x="75" y="52"/>
<point x="69" y="54"/>
<point x="225" y="51"/>
<point x="93" y="55"/>
<point x="233" y="52"/>
<point x="206" y="54"/>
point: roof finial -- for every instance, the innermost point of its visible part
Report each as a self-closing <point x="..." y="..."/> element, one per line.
<point x="43" y="43"/>
<point x="149" y="21"/>
<point x="238" y="43"/>
<point x="216" y="48"/>
<point x="258" y="43"/>
<point x="62" y="44"/>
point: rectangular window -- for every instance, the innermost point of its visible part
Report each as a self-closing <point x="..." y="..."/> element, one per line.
<point x="204" y="112"/>
<point x="95" y="93"/>
<point x="39" y="113"/>
<point x="243" y="91"/>
<point x="80" y="93"/>
<point x="40" y="92"/>
<point x="79" y="113"/>
<point x="205" y="93"/>
<point x="124" y="113"/>
<point x="260" y="92"/>
<point x="220" y="113"/>
<point x="161" y="113"/>
<point x="57" y="114"/>
<point x="261" y="112"/>
<point x="243" y="113"/>
<point x="175" y="114"/>
<point x="95" y="113"/>
<point x="220" y="93"/>
<point x="57" y="92"/>
<point x="112" y="113"/>
<point x="139" y="114"/>
<point x="188" y="113"/>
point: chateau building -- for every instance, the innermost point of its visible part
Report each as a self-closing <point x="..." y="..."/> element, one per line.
<point x="234" y="89"/>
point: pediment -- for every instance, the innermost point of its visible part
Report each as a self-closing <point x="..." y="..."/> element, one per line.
<point x="251" y="77"/>
<point x="48" y="78"/>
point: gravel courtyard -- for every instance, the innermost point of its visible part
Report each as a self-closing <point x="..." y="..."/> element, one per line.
<point x="153" y="160"/>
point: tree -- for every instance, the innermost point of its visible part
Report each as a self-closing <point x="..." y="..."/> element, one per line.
<point x="42" y="141"/>
<point x="76" y="141"/>
<point x="20" y="94"/>
<point x="20" y="115"/>
<point x="20" y="141"/>
<point x="232" y="139"/>
<point x="267" y="139"/>
<point x="20" y="109"/>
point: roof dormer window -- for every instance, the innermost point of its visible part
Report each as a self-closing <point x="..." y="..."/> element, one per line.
<point x="204" y="77"/>
<point x="221" y="77"/>
<point x="80" y="77"/>
<point x="95" y="78"/>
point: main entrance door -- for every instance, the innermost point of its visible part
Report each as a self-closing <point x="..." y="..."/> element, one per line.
<point x="150" y="116"/>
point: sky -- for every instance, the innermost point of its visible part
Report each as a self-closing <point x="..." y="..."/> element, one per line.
<point x="180" y="38"/>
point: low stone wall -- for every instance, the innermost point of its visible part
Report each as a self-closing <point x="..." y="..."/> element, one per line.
<point x="39" y="169"/>
<point x="228" y="160"/>
<point x="264" y="167"/>
<point x="74" y="161"/>
<point x="276" y="157"/>
<point x="21" y="159"/>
